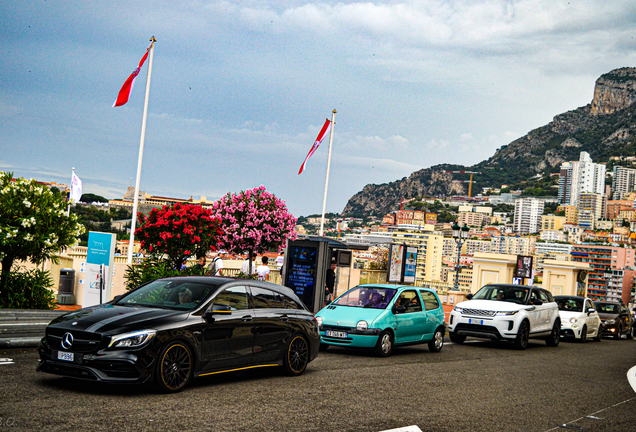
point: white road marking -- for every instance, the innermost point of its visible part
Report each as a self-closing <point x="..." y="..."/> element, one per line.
<point x="4" y="361"/>
<point x="412" y="428"/>
<point x="631" y="377"/>
<point x="593" y="415"/>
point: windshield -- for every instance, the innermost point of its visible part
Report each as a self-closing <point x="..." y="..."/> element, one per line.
<point x="515" y="294"/>
<point x="366" y="297"/>
<point x="570" y="304"/>
<point x="176" y="294"/>
<point x="607" y="308"/>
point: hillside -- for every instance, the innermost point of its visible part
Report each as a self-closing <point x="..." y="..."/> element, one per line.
<point x="603" y="128"/>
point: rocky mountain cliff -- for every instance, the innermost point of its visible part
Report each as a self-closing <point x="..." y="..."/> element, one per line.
<point x="605" y="127"/>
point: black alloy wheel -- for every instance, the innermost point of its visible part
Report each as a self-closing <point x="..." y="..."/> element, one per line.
<point x="436" y="344"/>
<point x="296" y="355"/>
<point x="583" y="334"/>
<point x="599" y="334"/>
<point x="384" y="346"/>
<point x="523" y="336"/>
<point x="174" y="370"/>
<point x="455" y="338"/>
<point x="554" y="339"/>
<point x="619" y="332"/>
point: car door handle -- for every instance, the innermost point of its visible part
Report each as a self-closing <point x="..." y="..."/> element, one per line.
<point x="247" y="318"/>
<point x="283" y="318"/>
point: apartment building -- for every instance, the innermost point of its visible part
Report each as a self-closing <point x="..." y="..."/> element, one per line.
<point x="590" y="208"/>
<point x="623" y="182"/>
<point x="580" y="177"/>
<point x="552" y="222"/>
<point x="603" y="260"/>
<point x="528" y="213"/>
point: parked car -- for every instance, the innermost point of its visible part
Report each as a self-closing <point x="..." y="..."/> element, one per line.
<point x="511" y="313"/>
<point x="173" y="329"/>
<point x="383" y="317"/>
<point x="579" y="319"/>
<point x="617" y="320"/>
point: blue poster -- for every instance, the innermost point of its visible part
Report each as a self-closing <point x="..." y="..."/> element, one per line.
<point x="410" y="265"/>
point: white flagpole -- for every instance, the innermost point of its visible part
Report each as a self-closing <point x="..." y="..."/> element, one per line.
<point x="324" y="200"/>
<point x="70" y="192"/>
<point x="141" y="155"/>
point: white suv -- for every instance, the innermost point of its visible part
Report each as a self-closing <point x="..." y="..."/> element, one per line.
<point x="512" y="313"/>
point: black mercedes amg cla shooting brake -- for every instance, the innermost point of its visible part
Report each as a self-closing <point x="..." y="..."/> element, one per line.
<point x="173" y="329"/>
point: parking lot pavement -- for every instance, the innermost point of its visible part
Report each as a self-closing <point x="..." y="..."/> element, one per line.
<point x="479" y="386"/>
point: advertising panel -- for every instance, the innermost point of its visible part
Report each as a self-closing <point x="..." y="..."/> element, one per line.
<point x="410" y="264"/>
<point x="98" y="269"/>
<point x="524" y="267"/>
<point x="395" y="264"/>
<point x="302" y="272"/>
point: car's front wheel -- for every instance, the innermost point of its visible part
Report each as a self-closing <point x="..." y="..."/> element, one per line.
<point x="296" y="355"/>
<point x="436" y="344"/>
<point x="455" y="338"/>
<point x="174" y="368"/>
<point x="583" y="334"/>
<point x="384" y="346"/>
<point x="554" y="339"/>
<point x="523" y="336"/>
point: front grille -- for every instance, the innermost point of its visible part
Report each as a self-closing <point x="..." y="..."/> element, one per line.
<point x="117" y="369"/>
<point x="83" y="342"/>
<point x="337" y="328"/>
<point x="483" y="329"/>
<point x="71" y="371"/>
<point x="478" y="312"/>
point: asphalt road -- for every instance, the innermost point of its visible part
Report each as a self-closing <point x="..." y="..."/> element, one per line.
<point x="478" y="386"/>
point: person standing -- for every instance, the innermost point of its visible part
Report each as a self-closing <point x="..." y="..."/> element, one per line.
<point x="330" y="282"/>
<point x="249" y="264"/>
<point x="263" y="270"/>
<point x="216" y="266"/>
<point x="280" y="259"/>
<point x="199" y="267"/>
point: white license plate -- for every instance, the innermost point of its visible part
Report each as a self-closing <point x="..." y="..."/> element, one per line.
<point x="336" y="334"/>
<point x="476" y="321"/>
<point x="66" y="356"/>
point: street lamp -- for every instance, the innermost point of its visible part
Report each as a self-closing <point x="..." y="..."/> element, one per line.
<point x="460" y="235"/>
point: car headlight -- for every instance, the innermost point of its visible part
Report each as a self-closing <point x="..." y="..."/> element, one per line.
<point x="319" y="321"/>
<point x="362" y="325"/>
<point x="574" y="320"/>
<point x="132" y="340"/>
<point x="505" y="313"/>
<point x="458" y="309"/>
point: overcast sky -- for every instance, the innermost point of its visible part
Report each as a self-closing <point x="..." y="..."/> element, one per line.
<point x="240" y="89"/>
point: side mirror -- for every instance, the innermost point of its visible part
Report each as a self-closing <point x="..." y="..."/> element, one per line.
<point x="590" y="310"/>
<point x="469" y="296"/>
<point x="216" y="310"/>
<point x="536" y="302"/>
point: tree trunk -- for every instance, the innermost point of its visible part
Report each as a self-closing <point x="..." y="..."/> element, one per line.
<point x="7" y="263"/>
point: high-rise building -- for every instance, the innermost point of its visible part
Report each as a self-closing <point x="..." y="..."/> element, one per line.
<point x="528" y="213"/>
<point x="623" y="182"/>
<point x="580" y="177"/>
<point x="590" y="209"/>
<point x="604" y="260"/>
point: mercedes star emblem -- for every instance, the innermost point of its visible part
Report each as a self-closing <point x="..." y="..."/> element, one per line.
<point x="67" y="340"/>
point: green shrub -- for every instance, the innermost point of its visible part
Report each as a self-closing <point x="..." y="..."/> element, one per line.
<point x="29" y="289"/>
<point x="151" y="269"/>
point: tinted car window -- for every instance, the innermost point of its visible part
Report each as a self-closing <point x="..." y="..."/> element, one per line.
<point x="169" y="293"/>
<point x="289" y="303"/>
<point x="265" y="299"/>
<point x="430" y="301"/>
<point x="516" y="294"/>
<point x="234" y="297"/>
<point x="608" y="308"/>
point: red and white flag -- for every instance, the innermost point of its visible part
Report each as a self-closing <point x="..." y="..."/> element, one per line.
<point x="124" y="93"/>
<point x="323" y="132"/>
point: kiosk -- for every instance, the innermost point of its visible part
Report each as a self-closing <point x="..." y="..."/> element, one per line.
<point x="306" y="262"/>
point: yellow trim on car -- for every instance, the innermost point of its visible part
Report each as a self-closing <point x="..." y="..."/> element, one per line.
<point x="238" y="369"/>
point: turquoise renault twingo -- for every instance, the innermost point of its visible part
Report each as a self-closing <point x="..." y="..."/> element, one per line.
<point x="382" y="317"/>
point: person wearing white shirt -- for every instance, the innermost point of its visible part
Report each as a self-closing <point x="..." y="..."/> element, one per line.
<point x="263" y="270"/>
<point x="245" y="268"/>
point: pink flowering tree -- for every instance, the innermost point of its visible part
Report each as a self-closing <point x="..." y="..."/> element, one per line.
<point x="254" y="221"/>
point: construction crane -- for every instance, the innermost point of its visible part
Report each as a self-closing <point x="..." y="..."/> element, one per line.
<point x="470" y="182"/>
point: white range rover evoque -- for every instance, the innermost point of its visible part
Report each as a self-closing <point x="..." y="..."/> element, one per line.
<point x="512" y="313"/>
